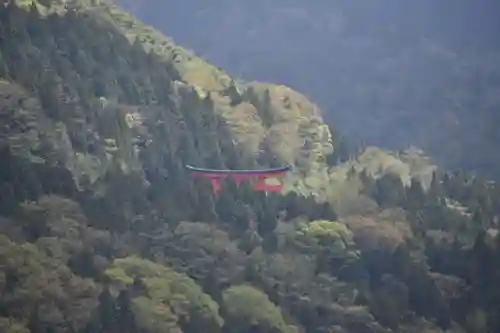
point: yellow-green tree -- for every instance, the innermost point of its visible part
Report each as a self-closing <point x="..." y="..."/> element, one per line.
<point x="170" y="301"/>
<point x="246" y="307"/>
<point x="323" y="233"/>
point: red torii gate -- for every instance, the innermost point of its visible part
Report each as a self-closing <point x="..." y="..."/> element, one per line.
<point x="215" y="176"/>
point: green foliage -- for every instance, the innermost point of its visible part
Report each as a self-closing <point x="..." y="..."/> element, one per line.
<point x="104" y="231"/>
<point x="477" y="321"/>
<point x="327" y="233"/>
<point x="169" y="296"/>
<point x="34" y="284"/>
<point x="248" y="306"/>
<point x="367" y="66"/>
<point x="12" y="326"/>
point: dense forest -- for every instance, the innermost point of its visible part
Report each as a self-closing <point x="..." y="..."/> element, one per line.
<point x="392" y="73"/>
<point x="102" y="229"/>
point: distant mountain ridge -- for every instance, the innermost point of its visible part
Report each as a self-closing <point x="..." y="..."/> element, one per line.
<point x="103" y="229"/>
<point x="393" y="74"/>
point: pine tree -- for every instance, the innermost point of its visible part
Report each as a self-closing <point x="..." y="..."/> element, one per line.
<point x="266" y="110"/>
<point x="125" y="317"/>
<point x="234" y="95"/>
<point x="415" y="195"/>
<point x="106" y="311"/>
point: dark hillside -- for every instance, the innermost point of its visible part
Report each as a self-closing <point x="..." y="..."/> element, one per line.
<point x="390" y="73"/>
<point x="102" y="229"/>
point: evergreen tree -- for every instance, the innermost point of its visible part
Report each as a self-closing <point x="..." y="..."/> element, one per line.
<point x="415" y="195"/>
<point x="125" y="318"/>
<point x="389" y="190"/>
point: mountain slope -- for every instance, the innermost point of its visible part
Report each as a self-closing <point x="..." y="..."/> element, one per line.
<point x="392" y="74"/>
<point x="104" y="231"/>
<point x="298" y="116"/>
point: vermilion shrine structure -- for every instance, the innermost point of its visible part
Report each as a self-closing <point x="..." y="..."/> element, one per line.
<point x="216" y="176"/>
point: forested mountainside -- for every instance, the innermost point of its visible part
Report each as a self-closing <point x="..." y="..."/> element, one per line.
<point x="102" y="230"/>
<point x="391" y="73"/>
